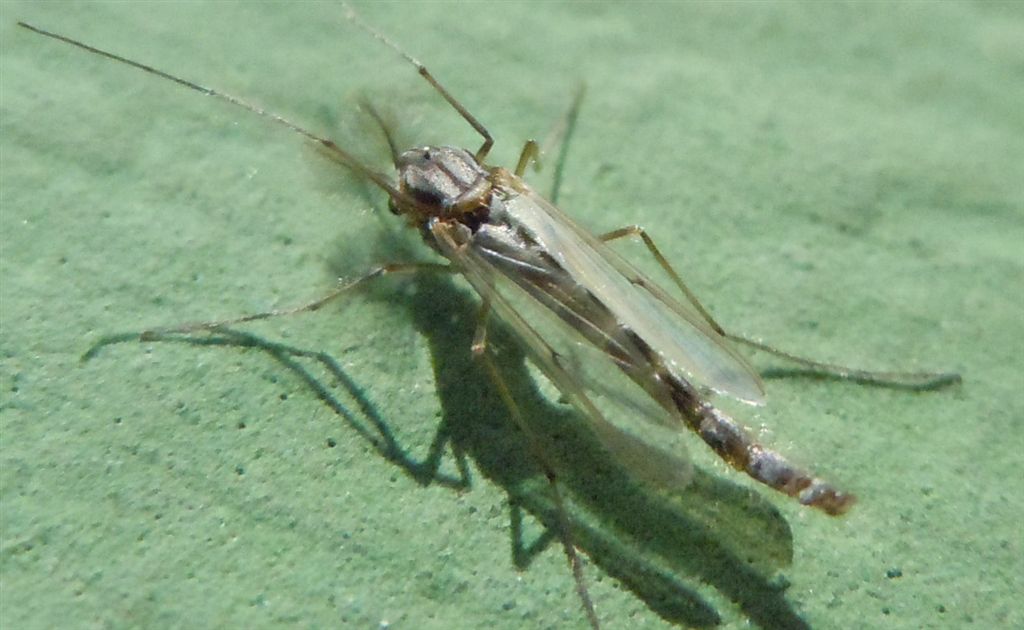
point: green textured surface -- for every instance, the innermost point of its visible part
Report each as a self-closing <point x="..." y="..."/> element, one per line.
<point x="843" y="180"/>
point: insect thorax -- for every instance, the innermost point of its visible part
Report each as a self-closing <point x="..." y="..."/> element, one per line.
<point x="444" y="183"/>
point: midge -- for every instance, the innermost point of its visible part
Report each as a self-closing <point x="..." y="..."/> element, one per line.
<point x="623" y="350"/>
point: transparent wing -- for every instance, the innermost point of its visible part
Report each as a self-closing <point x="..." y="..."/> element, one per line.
<point x="652" y="451"/>
<point x="674" y="330"/>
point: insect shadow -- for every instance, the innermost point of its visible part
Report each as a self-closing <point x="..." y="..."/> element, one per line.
<point x="655" y="543"/>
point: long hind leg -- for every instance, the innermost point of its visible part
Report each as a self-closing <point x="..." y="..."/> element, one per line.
<point x="905" y="380"/>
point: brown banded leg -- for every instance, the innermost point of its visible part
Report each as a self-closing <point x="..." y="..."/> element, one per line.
<point x="543" y="459"/>
<point x="907" y="380"/>
<point x="376" y="272"/>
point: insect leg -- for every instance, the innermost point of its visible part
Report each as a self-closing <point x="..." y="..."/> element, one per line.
<point x="636" y="230"/>
<point x="562" y="135"/>
<point x="485" y="148"/>
<point x="540" y="454"/>
<point x="531" y="151"/>
<point x="480" y="334"/>
<point x="905" y="380"/>
<point x="374" y="273"/>
<point x="922" y="381"/>
<point x="384" y="127"/>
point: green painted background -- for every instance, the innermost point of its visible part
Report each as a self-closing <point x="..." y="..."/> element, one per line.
<point x="844" y="180"/>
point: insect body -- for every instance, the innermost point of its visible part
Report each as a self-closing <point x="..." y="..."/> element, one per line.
<point x="586" y="316"/>
<point x="495" y="228"/>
